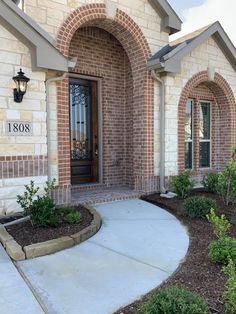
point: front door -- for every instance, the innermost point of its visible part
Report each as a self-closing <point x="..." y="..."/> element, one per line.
<point x="83" y="130"/>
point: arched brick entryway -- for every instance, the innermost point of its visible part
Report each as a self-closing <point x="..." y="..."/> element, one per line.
<point x="220" y="94"/>
<point x="127" y="32"/>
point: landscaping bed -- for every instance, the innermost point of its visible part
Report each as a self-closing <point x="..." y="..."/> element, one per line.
<point x="197" y="273"/>
<point x="26" y="234"/>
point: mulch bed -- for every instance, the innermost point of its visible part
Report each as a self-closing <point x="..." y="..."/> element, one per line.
<point x="197" y="273"/>
<point x="26" y="234"/>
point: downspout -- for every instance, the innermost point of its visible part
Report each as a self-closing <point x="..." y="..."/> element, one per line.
<point x="47" y="83"/>
<point x="162" y="132"/>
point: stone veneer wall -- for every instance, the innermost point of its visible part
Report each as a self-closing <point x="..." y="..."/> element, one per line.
<point x="206" y="55"/>
<point x="22" y="158"/>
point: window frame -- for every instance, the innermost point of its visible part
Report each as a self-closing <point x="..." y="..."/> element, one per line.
<point x="210" y="137"/>
<point x="192" y="140"/>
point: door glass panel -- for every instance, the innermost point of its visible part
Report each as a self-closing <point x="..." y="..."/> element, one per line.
<point x="80" y="121"/>
<point x="189" y="135"/>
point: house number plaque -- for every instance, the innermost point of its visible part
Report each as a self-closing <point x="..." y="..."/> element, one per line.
<point x="19" y="128"/>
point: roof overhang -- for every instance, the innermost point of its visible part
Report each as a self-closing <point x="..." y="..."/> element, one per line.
<point x="171" y="62"/>
<point x="44" y="54"/>
<point x="171" y="21"/>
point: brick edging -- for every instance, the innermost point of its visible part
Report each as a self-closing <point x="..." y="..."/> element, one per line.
<point x="18" y="253"/>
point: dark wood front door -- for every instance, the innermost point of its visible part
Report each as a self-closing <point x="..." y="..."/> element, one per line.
<point x="84" y="131"/>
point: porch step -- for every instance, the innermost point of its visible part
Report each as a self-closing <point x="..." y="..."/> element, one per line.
<point x="103" y="195"/>
<point x="88" y="186"/>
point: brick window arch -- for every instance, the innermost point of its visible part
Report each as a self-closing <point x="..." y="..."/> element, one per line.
<point x="128" y="33"/>
<point x="219" y="93"/>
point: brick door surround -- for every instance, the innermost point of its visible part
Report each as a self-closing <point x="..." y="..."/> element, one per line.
<point x="128" y="33"/>
<point x="220" y="94"/>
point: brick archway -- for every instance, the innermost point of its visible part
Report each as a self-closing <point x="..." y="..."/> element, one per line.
<point x="223" y="113"/>
<point x="128" y="33"/>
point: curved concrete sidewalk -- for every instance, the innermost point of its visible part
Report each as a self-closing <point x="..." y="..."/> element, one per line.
<point x="138" y="246"/>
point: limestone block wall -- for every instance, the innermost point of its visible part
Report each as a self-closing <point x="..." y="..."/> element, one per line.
<point x="205" y="55"/>
<point x="22" y="157"/>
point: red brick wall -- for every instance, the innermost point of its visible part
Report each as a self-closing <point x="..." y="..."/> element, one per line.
<point x="219" y="93"/>
<point x="99" y="53"/>
<point x="127" y="32"/>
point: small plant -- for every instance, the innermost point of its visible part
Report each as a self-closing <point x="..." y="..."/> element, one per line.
<point x="210" y="182"/>
<point x="226" y="187"/>
<point x="41" y="208"/>
<point x="175" y="300"/>
<point x="222" y="249"/>
<point x="230" y="291"/>
<point x="26" y="200"/>
<point x="220" y="224"/>
<point x="69" y="215"/>
<point x="197" y="207"/>
<point x="182" y="184"/>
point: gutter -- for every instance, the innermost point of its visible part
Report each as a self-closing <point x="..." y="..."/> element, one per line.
<point x="162" y="132"/>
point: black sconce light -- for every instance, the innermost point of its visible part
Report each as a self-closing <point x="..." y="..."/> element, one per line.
<point x="21" y="82"/>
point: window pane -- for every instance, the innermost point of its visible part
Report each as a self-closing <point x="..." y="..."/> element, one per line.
<point x="188" y="121"/>
<point x="205" y="154"/>
<point x="188" y="155"/>
<point x="205" y="121"/>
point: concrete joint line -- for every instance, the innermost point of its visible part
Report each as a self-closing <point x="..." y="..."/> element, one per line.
<point x="130" y="257"/>
<point x="33" y="291"/>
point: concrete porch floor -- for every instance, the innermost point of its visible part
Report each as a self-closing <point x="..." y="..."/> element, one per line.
<point x="100" y="194"/>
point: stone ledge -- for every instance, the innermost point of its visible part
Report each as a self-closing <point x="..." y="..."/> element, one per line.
<point x="17" y="253"/>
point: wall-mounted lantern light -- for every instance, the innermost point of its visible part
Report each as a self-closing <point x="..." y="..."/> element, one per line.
<point x="21" y="82"/>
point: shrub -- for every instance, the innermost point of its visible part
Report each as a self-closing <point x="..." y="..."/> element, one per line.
<point x="182" y="184"/>
<point x="41" y="208"/>
<point x="175" y="300"/>
<point x="69" y="215"/>
<point x="226" y="187"/>
<point x="43" y="213"/>
<point x="220" y="224"/>
<point x="210" y="182"/>
<point x="222" y="249"/>
<point x="197" y="207"/>
<point x="230" y="291"/>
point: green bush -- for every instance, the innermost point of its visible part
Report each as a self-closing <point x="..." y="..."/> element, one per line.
<point x="226" y="187"/>
<point x="222" y="249"/>
<point x="210" y="182"/>
<point x="43" y="213"/>
<point x="69" y="215"/>
<point x="175" y="300"/>
<point x="230" y="288"/>
<point x="182" y="185"/>
<point x="220" y="224"/>
<point x="197" y="207"/>
<point x="41" y="208"/>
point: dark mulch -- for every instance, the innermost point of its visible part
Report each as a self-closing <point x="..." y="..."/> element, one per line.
<point x="26" y="234"/>
<point x="197" y="273"/>
<point x="7" y="219"/>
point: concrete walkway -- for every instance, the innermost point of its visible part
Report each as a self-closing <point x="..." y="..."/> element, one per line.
<point x="15" y="295"/>
<point x="138" y="246"/>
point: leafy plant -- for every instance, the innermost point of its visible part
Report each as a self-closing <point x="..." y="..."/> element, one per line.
<point x="182" y="185"/>
<point x="210" y="182"/>
<point x="226" y="187"/>
<point x="175" y="300"/>
<point x="197" y="207"/>
<point x="26" y="200"/>
<point x="230" y="291"/>
<point x="44" y="213"/>
<point x="222" y="249"/>
<point x="220" y="224"/>
<point x="69" y="215"/>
